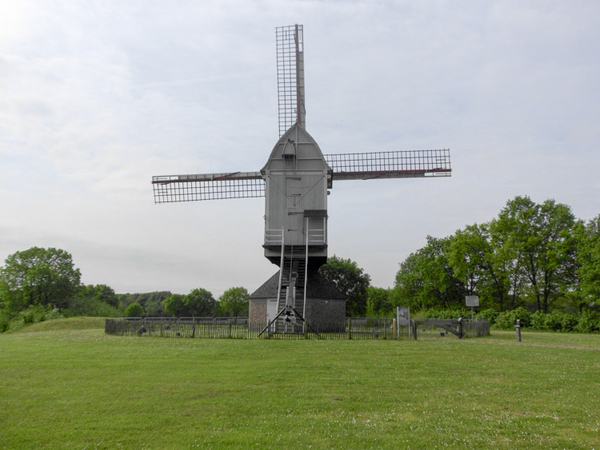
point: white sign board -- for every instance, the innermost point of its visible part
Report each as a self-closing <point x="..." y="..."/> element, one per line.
<point x="472" y="300"/>
<point x="403" y="316"/>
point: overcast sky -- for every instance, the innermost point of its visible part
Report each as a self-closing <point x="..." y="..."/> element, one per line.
<point x="96" y="97"/>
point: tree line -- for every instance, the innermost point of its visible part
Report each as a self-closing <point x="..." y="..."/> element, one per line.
<point x="537" y="256"/>
<point x="39" y="283"/>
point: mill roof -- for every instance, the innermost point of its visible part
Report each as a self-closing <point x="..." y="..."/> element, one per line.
<point x="297" y="143"/>
<point x="317" y="287"/>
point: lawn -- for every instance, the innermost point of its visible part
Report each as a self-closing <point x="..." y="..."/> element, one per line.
<point x="72" y="386"/>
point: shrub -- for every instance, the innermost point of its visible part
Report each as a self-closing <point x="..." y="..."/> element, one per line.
<point x="569" y="322"/>
<point x="557" y="321"/>
<point x="4" y="323"/>
<point x="589" y="322"/>
<point x="538" y="321"/>
<point x="29" y="317"/>
<point x="37" y="313"/>
<point x="489" y="314"/>
<point x="444" y="313"/>
<point x="508" y="319"/>
<point x="560" y="321"/>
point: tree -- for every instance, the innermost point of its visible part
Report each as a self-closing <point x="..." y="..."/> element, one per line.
<point x="588" y="255"/>
<point x="134" y="310"/>
<point x="409" y="286"/>
<point x="541" y="241"/>
<point x="152" y="302"/>
<point x="155" y="306"/>
<point x="39" y="276"/>
<point x="351" y="281"/>
<point x="175" y="305"/>
<point x="8" y="299"/>
<point x="507" y="265"/>
<point x="481" y="265"/>
<point x="100" y="293"/>
<point x="234" y="302"/>
<point x="426" y="279"/>
<point x="198" y="303"/>
<point x="379" y="302"/>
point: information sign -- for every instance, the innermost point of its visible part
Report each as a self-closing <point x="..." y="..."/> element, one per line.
<point x="472" y="301"/>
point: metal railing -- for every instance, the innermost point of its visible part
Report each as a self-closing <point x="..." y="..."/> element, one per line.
<point x="316" y="236"/>
<point x="274" y="236"/>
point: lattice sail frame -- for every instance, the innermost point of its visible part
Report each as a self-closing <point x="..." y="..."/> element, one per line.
<point x="399" y="164"/>
<point x="345" y="166"/>
<point x="290" y="77"/>
<point x="218" y="186"/>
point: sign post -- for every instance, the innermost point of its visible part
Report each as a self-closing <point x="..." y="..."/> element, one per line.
<point x="472" y="301"/>
<point x="403" y="318"/>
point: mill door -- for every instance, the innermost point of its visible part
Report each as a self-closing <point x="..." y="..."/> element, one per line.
<point x="271" y="311"/>
<point x="295" y="214"/>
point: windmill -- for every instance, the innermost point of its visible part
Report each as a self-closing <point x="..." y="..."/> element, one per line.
<point x="295" y="182"/>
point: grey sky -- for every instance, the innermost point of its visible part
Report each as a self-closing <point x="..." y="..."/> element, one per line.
<point x="96" y="97"/>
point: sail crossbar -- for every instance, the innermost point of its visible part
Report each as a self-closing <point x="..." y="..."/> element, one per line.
<point x="167" y="179"/>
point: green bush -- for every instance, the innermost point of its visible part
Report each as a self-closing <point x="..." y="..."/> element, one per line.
<point x="508" y="319"/>
<point x="557" y="321"/>
<point x="33" y="314"/>
<point x="560" y="321"/>
<point x="29" y="317"/>
<point x="589" y="322"/>
<point x="444" y="313"/>
<point x="538" y="321"/>
<point x="569" y="322"/>
<point x="4" y="323"/>
<point x="489" y="314"/>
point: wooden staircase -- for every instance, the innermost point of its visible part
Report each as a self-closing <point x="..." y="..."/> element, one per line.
<point x="291" y="290"/>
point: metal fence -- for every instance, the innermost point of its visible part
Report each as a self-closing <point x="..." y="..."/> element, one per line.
<point x="240" y="328"/>
<point x="461" y="328"/>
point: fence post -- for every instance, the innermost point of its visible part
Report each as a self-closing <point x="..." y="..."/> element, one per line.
<point x="350" y="328"/>
<point x="518" y="328"/>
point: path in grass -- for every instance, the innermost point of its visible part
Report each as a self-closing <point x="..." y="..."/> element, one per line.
<point x="83" y="389"/>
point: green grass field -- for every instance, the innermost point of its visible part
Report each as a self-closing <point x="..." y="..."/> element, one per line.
<point x="65" y="384"/>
